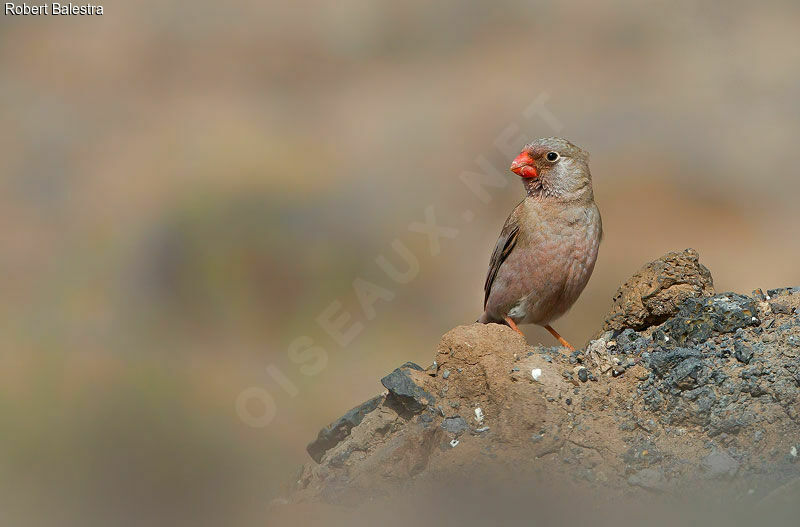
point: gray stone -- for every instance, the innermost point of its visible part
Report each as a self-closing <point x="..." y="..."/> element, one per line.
<point x="404" y="390"/>
<point x="455" y="425"/>
<point x="663" y="362"/>
<point x="781" y="291"/>
<point x="334" y="433"/>
<point x="742" y="352"/>
<point x="719" y="464"/>
<point x="700" y="318"/>
<point x="687" y="374"/>
<point x="780" y="308"/>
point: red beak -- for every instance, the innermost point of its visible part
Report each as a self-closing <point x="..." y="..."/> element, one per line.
<point x="523" y="166"/>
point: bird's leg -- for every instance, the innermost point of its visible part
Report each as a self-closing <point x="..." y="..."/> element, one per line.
<point x="513" y="325"/>
<point x="561" y="339"/>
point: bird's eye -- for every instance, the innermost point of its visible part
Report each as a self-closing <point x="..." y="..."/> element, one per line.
<point x="552" y="156"/>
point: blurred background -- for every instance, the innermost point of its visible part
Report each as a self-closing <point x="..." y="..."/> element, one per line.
<point x="188" y="186"/>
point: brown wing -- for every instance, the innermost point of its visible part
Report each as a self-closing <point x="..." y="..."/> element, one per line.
<point x="505" y="244"/>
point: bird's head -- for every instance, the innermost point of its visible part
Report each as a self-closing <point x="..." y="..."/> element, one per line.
<point x="552" y="166"/>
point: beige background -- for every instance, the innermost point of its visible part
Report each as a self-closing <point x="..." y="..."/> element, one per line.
<point x="186" y="186"/>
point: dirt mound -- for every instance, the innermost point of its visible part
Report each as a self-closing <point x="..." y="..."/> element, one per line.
<point x="654" y="293"/>
<point x="684" y="389"/>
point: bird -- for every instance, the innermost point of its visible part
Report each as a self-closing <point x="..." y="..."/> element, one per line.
<point x="548" y="246"/>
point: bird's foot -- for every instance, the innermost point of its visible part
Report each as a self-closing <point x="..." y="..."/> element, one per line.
<point x="560" y="339"/>
<point x="513" y="326"/>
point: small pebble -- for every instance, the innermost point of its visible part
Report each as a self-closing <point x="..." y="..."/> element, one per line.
<point x="446" y="374"/>
<point x="536" y="373"/>
<point x="781" y="308"/>
<point x="583" y="375"/>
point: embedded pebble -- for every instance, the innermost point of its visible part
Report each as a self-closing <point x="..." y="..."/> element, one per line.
<point x="455" y="425"/>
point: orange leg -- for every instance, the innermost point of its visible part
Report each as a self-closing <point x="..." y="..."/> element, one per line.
<point x="513" y="325"/>
<point x="561" y="339"/>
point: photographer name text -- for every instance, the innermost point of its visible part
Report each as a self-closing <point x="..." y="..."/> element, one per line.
<point x="51" y="9"/>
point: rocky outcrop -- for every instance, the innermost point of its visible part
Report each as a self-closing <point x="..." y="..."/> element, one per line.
<point x="684" y="387"/>
<point x="656" y="291"/>
<point x="338" y="431"/>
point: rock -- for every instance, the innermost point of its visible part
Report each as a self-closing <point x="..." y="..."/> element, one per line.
<point x="781" y="308"/>
<point x="655" y="292"/>
<point x="662" y="362"/>
<point x="405" y="390"/>
<point x="334" y="433"/>
<point x="718" y="464"/>
<point x="687" y="374"/>
<point x="648" y="478"/>
<point x="630" y="342"/>
<point x="782" y="291"/>
<point x="455" y="425"/>
<point x="742" y="352"/>
<point x="702" y="381"/>
<point x="699" y="318"/>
